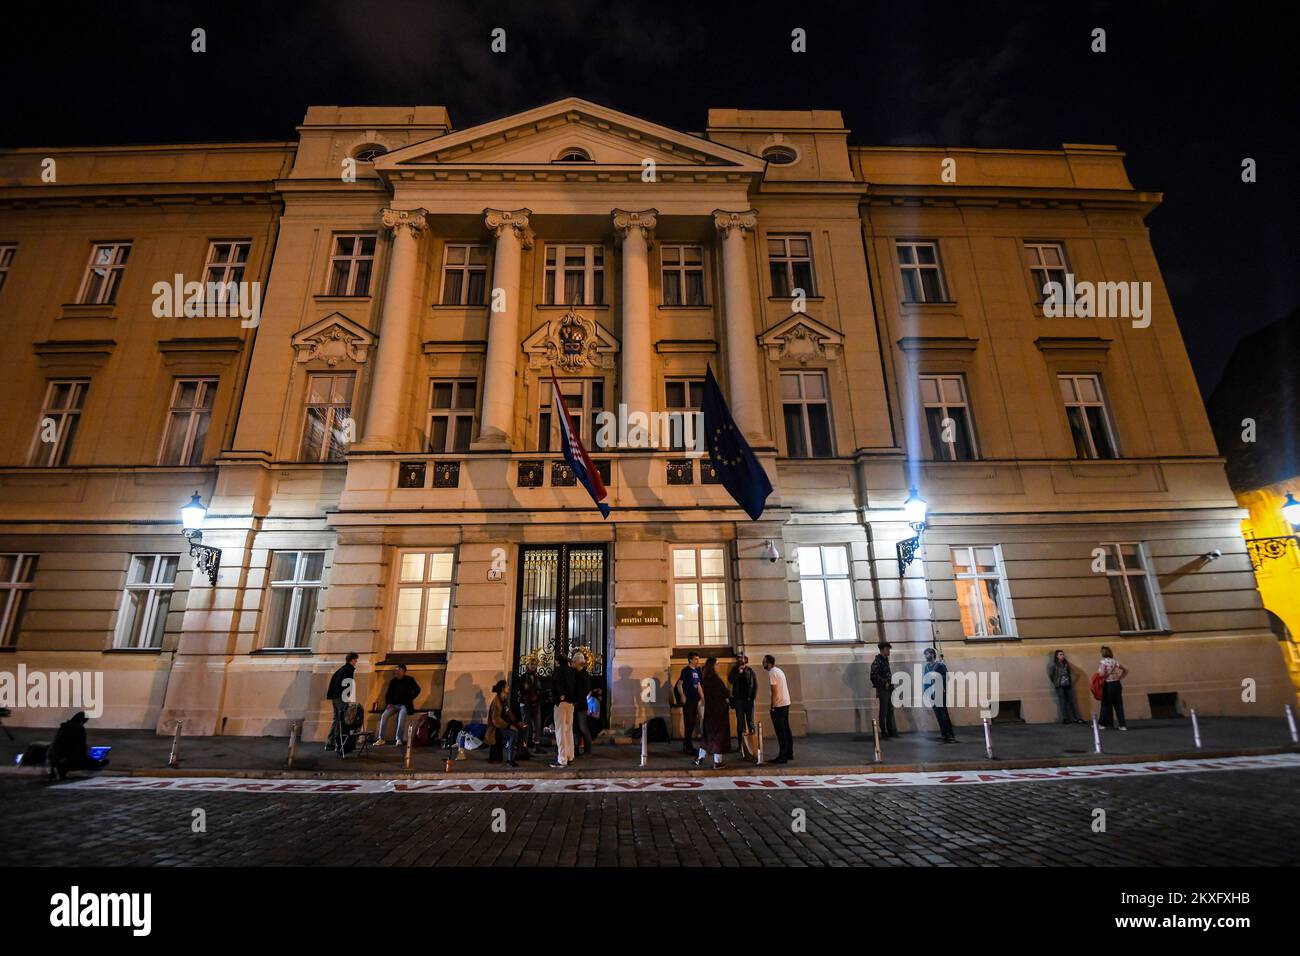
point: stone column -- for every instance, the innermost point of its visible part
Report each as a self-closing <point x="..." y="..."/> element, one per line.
<point x="510" y="227"/>
<point x="743" y="395"/>
<point x="635" y="229"/>
<point x="388" y="386"/>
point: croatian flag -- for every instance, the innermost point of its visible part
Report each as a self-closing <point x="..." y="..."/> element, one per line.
<point x="576" y="456"/>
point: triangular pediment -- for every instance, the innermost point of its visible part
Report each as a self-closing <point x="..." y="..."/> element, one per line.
<point x="541" y="136"/>
<point x="801" y="338"/>
<point x="332" y="340"/>
<point x="571" y="342"/>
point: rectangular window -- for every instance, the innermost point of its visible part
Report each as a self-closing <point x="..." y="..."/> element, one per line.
<point x="224" y="268"/>
<point x="326" y="428"/>
<point x="922" y="275"/>
<point x="982" y="591"/>
<point x="1132" y="586"/>
<point x="700" y="596"/>
<point x="146" y="600"/>
<point x="683" y="274"/>
<point x="826" y="588"/>
<point x="17" y="572"/>
<point x="683" y="396"/>
<point x="7" y="251"/>
<point x="807" y="412"/>
<point x="464" y="274"/>
<point x="789" y="261"/>
<point x="424" y="582"/>
<point x="295" y="593"/>
<point x="104" y="273"/>
<point x="947" y="417"/>
<point x="351" y="264"/>
<point x="1085" y="408"/>
<point x="585" y="399"/>
<point x="187" y="421"/>
<point x="57" y="425"/>
<point x="1046" y="262"/>
<point x="451" y="414"/>
<point x="575" y="274"/>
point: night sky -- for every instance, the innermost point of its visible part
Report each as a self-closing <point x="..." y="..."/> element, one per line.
<point x="1186" y="89"/>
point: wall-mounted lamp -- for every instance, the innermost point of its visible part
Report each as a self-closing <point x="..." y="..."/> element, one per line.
<point x="914" y="510"/>
<point x="1264" y="549"/>
<point x="208" y="559"/>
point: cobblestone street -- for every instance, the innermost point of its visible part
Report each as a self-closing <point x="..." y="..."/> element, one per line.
<point x="1225" y="818"/>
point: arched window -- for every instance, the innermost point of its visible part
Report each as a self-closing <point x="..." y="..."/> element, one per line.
<point x="574" y="154"/>
<point x="780" y="155"/>
<point x="369" y="153"/>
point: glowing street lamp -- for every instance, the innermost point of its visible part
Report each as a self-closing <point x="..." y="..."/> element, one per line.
<point x="208" y="559"/>
<point x="1291" y="510"/>
<point x="914" y="510"/>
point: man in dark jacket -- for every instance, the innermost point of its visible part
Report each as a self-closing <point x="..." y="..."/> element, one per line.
<point x="69" y="750"/>
<point x="342" y="691"/>
<point x="687" y="693"/>
<point x="581" y="688"/>
<point x="882" y="679"/>
<point x="744" y="689"/>
<point x="399" y="700"/>
<point x="935" y="693"/>
<point x="564" y="689"/>
<point x="528" y="702"/>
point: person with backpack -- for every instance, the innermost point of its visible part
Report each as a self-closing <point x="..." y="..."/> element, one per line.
<point x="744" y="691"/>
<point x="564" y="688"/>
<point x="1061" y="675"/>
<point x="934" y="684"/>
<point x="341" y="692"/>
<point x="687" y="694"/>
<point x="1112" y="674"/>
<point x="399" y="700"/>
<point x="882" y="679"/>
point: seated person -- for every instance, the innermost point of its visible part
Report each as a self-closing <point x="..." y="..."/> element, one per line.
<point x="503" y="726"/>
<point x="399" y="700"/>
<point x="69" y="751"/>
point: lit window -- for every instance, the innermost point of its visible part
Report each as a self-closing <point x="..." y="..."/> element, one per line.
<point x="918" y="264"/>
<point x="826" y="589"/>
<point x="575" y="274"/>
<point x="451" y="414"/>
<point x="327" y="427"/>
<point x="789" y="262"/>
<point x="423" y="600"/>
<point x="683" y="274"/>
<point x="351" y="264"/>
<point x="807" y="413"/>
<point x="1132" y="586"/>
<point x="17" y="572"/>
<point x="700" y="596"/>
<point x="57" y="424"/>
<point x="295" y="592"/>
<point x="187" y="421"/>
<point x="146" y="600"/>
<point x="1046" y="261"/>
<point x="464" y="274"/>
<point x="104" y="273"/>
<point x="982" y="591"/>
<point x="1085" y="408"/>
<point x="947" y="417"/>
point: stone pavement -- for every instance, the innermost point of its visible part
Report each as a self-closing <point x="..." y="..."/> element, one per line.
<point x="1014" y="745"/>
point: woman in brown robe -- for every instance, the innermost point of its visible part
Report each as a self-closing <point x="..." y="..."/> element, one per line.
<point x="716" y="738"/>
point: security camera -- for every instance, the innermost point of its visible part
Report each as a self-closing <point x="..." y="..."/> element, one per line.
<point x="770" y="552"/>
<point x="1213" y="555"/>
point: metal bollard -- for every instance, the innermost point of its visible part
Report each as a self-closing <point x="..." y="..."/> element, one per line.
<point x="174" y="758"/>
<point x="1096" y="735"/>
<point x="758" y="731"/>
<point x="1196" y="729"/>
<point x="295" y="730"/>
<point x="645" y="744"/>
<point x="1290" y="722"/>
<point x="988" y="739"/>
<point x="875" y="733"/>
<point x="410" y="737"/>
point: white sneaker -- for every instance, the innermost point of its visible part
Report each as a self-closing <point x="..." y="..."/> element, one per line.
<point x="1123" y="728"/>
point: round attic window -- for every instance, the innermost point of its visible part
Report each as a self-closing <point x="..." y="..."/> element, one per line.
<point x="369" y="153"/>
<point x="780" y="155"/>
<point x="574" y="155"/>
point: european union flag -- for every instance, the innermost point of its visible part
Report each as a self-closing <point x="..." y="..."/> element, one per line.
<point x="738" y="469"/>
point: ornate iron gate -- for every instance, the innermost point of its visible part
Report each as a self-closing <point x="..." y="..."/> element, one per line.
<point x="562" y="590"/>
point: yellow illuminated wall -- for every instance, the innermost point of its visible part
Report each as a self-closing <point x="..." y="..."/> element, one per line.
<point x="1278" y="578"/>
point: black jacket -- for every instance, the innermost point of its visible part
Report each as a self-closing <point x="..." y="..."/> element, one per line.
<point x="402" y="692"/>
<point x="744" y="686"/>
<point x="335" y="691"/>
<point x="882" y="676"/>
<point x="581" y="687"/>
<point x="528" y="690"/>
<point x="564" y="684"/>
<point x="69" y="744"/>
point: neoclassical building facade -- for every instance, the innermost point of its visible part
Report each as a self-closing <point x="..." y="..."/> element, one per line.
<point x="378" y="446"/>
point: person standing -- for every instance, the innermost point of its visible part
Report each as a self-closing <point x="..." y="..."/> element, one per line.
<point x="564" y="691"/>
<point x="780" y="708"/>
<point x="687" y="690"/>
<point x="1112" y="690"/>
<point x="1062" y="678"/>
<point x="581" y="690"/>
<point x="715" y="738"/>
<point x="528" y="694"/>
<point x="744" y="690"/>
<point x="934" y="685"/>
<point x="399" y="700"/>
<point x="502" y="728"/>
<point x="342" y="691"/>
<point x="882" y="679"/>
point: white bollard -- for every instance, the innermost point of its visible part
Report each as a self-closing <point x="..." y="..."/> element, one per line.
<point x="1290" y="722"/>
<point x="174" y="758"/>
<point x="410" y="739"/>
<point x="875" y="733"/>
<point x="1196" y="729"/>
<point x="645" y="744"/>
<point x="988" y="739"/>
<point x="295" y="729"/>
<point x="1096" y="735"/>
<point x="758" y="731"/>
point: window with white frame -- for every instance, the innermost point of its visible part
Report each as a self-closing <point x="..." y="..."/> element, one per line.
<point x="451" y="414"/>
<point x="920" y="270"/>
<point x="352" y="261"/>
<point x="7" y="252"/>
<point x="464" y="274"/>
<point x="146" y="600"/>
<point x="104" y="273"/>
<point x="1046" y="262"/>
<point x="683" y="273"/>
<point x="585" y="400"/>
<point x="17" y="574"/>
<point x="700" y="597"/>
<point x="1132" y="586"/>
<point x="683" y="396"/>
<point x="982" y="595"/>
<point x="58" y="421"/>
<point x="826" y="589"/>
<point x="422" y="615"/>
<point x="575" y="274"/>
<point x="790" y="264"/>
<point x="327" y="426"/>
<point x="1085" y="408"/>
<point x="296" y="582"/>
<point x="805" y="406"/>
<point x="947" y="417"/>
<point x="187" y="421"/>
<point x="225" y="265"/>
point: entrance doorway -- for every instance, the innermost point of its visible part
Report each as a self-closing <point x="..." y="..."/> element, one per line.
<point x="562" y="607"/>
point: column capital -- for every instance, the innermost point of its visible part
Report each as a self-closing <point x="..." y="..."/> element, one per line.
<point x="626" y="220"/>
<point x="499" y="220"/>
<point x="726" y="221"/>
<point x="410" y="219"/>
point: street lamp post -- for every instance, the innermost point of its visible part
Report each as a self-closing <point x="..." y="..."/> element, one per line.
<point x="914" y="509"/>
<point x="1266" y="549"/>
<point x="207" y="559"/>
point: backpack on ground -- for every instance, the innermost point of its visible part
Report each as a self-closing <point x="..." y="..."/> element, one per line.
<point x="449" y="735"/>
<point x="426" y="731"/>
<point x="658" y="730"/>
